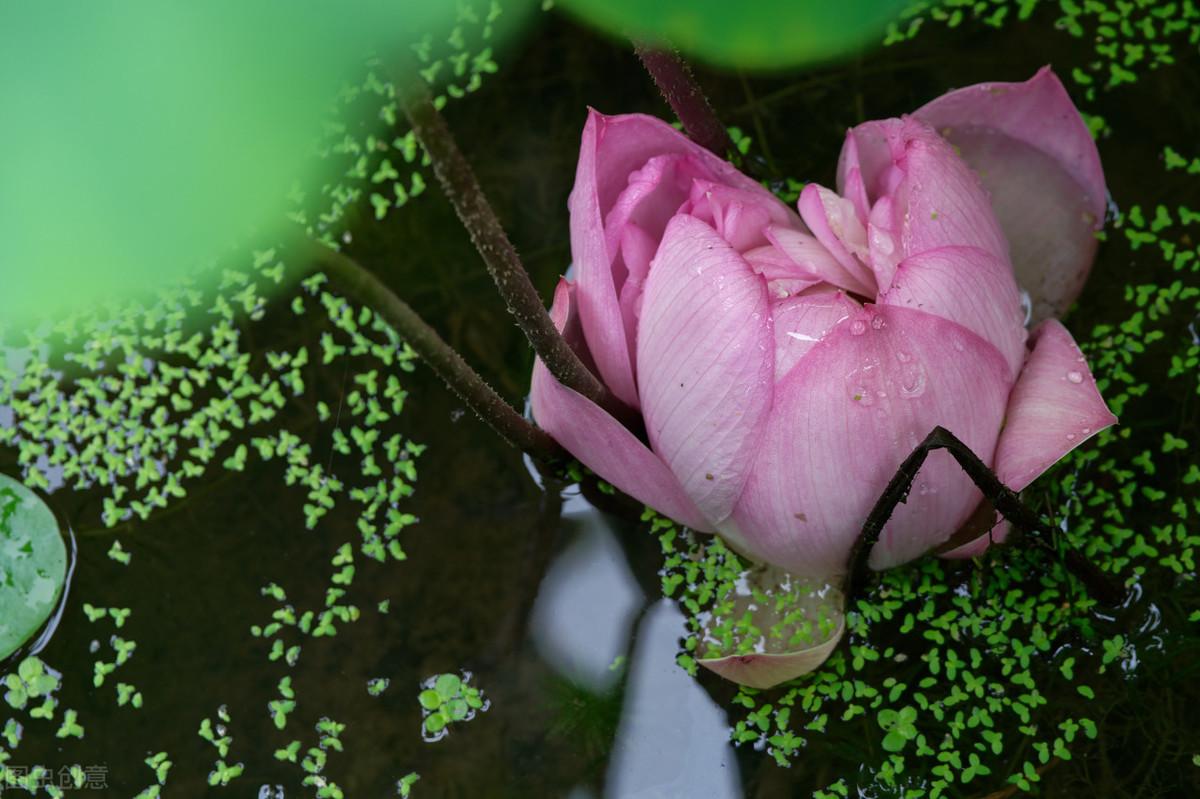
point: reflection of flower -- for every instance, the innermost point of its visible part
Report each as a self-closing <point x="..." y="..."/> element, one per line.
<point x="784" y="365"/>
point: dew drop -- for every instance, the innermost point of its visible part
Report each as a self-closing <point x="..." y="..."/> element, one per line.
<point x="1075" y="377"/>
<point x="912" y="382"/>
<point x="877" y="323"/>
<point x="857" y="327"/>
<point x="903" y="357"/>
<point x="1070" y="436"/>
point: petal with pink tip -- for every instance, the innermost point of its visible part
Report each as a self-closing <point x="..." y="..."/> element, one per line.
<point x="937" y="201"/>
<point x="738" y="215"/>
<point x="599" y="441"/>
<point x="1037" y="157"/>
<point x="834" y="222"/>
<point x="969" y="286"/>
<point x="842" y="422"/>
<point x="813" y="259"/>
<point x="705" y="363"/>
<point x="1055" y="406"/>
<point x="612" y="148"/>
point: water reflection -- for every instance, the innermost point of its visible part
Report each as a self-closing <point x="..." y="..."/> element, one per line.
<point x="586" y="604"/>
<point x="673" y="739"/>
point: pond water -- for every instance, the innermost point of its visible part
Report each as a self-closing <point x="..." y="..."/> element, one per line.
<point x="555" y="609"/>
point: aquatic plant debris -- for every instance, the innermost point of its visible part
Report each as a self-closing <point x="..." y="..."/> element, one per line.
<point x="33" y="564"/>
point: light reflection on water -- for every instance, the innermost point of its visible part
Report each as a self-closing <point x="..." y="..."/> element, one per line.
<point x="672" y="739"/>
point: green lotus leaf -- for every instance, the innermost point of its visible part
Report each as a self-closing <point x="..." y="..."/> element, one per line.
<point x="767" y="34"/>
<point x="33" y="568"/>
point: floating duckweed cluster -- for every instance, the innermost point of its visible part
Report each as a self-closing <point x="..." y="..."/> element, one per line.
<point x="314" y="759"/>
<point x="1130" y="37"/>
<point x="374" y="158"/>
<point x="160" y="764"/>
<point x="30" y="691"/>
<point x="143" y="403"/>
<point x="218" y="735"/>
<point x="942" y="659"/>
<point x="448" y="699"/>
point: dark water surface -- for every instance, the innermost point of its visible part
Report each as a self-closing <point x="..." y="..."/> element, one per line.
<point x="555" y="608"/>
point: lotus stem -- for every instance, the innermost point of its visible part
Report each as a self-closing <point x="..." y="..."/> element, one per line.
<point x="678" y="86"/>
<point x="363" y="286"/>
<point x="1002" y="498"/>
<point x="524" y="303"/>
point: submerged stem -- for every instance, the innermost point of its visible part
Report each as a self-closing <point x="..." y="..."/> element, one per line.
<point x="1002" y="498"/>
<point x="674" y="79"/>
<point x="459" y="182"/>
<point x="464" y="381"/>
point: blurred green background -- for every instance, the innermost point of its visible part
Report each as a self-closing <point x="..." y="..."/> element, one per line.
<point x="143" y="140"/>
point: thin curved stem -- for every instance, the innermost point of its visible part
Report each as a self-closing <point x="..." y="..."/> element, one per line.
<point x="1002" y="498"/>
<point x="523" y="301"/>
<point x="674" y="79"/>
<point x="464" y="381"/>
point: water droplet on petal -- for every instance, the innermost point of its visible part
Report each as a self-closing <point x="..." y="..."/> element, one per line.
<point x="1070" y="436"/>
<point x="1075" y="377"/>
<point x="877" y="323"/>
<point x="857" y="327"/>
<point x="903" y="357"/>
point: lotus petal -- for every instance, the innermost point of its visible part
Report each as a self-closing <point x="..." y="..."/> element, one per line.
<point x="801" y="625"/>
<point x="705" y="363"/>
<point x="1038" y="160"/>
<point x="843" y="420"/>
<point x="612" y="148"/>
<point x="598" y="440"/>
<point x="969" y="286"/>
<point x="1054" y="407"/>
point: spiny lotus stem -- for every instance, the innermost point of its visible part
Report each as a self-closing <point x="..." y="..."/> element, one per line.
<point x="1002" y="498"/>
<point x="361" y="285"/>
<point x="458" y="181"/>
<point x="674" y="79"/>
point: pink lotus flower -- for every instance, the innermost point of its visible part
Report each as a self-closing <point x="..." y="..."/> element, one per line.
<point x="784" y="365"/>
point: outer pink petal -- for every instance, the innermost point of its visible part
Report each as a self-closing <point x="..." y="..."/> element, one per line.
<point x="968" y="286"/>
<point x="599" y="441"/>
<point x="1037" y="158"/>
<point x="842" y="422"/>
<point x="611" y="149"/>
<point x="1054" y="408"/>
<point x="705" y="363"/>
